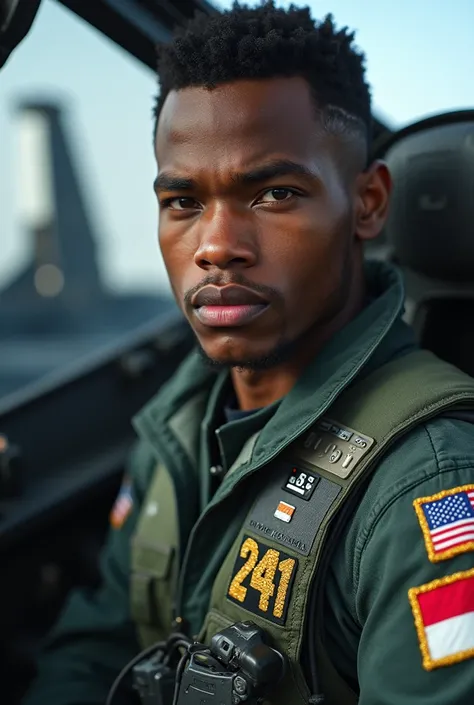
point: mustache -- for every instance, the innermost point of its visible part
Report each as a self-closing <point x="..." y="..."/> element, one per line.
<point x="236" y="278"/>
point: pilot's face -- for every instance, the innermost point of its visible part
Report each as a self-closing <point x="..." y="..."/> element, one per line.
<point x="254" y="207"/>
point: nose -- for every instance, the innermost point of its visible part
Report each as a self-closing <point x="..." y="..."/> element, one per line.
<point x="226" y="242"/>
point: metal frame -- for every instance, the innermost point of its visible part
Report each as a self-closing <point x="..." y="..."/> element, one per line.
<point x="138" y="25"/>
<point x="16" y="18"/>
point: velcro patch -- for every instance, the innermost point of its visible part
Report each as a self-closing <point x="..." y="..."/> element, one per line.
<point x="123" y="505"/>
<point x="444" y="619"/>
<point x="447" y="522"/>
<point x="310" y="497"/>
<point x="262" y="580"/>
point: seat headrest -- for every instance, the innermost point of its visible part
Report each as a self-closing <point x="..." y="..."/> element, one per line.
<point x="430" y="227"/>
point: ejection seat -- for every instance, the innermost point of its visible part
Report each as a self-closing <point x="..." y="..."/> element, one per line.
<point x="430" y="231"/>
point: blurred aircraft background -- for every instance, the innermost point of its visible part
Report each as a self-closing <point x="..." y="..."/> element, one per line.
<point x="57" y="308"/>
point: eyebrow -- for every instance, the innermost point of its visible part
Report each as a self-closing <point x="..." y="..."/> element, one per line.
<point x="272" y="170"/>
<point x="277" y="168"/>
<point x="172" y="182"/>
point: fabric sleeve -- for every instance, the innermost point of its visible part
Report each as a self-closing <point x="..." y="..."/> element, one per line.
<point x="415" y="593"/>
<point x="95" y="637"/>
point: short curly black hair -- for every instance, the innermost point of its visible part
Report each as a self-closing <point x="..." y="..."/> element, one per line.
<point x="270" y="42"/>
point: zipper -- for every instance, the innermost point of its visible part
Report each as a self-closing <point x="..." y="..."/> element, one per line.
<point x="220" y="448"/>
<point x="216" y="471"/>
<point x="219" y="469"/>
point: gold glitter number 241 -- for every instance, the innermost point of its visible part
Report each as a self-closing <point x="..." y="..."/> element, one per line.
<point x="263" y="576"/>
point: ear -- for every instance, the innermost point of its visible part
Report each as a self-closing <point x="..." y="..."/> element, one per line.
<point x="374" y="186"/>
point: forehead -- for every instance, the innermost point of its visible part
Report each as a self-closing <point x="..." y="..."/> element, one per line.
<point x="238" y="123"/>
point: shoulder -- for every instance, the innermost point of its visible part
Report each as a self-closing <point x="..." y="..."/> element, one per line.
<point x="435" y="458"/>
<point x="418" y="488"/>
<point x="436" y="453"/>
<point x="406" y="568"/>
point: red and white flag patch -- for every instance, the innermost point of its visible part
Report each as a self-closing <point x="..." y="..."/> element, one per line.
<point x="444" y="619"/>
<point x="123" y="505"/>
<point x="447" y="522"/>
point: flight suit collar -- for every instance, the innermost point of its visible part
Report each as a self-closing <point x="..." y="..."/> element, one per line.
<point x="172" y="421"/>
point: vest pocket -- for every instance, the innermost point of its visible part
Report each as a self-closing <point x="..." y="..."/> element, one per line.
<point x="150" y="586"/>
<point x="154" y="563"/>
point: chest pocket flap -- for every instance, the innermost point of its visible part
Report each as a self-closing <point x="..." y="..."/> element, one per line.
<point x="154" y="558"/>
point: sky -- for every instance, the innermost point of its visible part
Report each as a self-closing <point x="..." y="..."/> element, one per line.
<point x="420" y="61"/>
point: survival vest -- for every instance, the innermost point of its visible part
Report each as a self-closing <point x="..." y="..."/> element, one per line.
<point x="274" y="572"/>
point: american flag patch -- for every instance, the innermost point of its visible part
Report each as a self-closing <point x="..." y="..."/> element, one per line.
<point x="444" y="619"/>
<point x="447" y="522"/>
<point x="123" y="505"/>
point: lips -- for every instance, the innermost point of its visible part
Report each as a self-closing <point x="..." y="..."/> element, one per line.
<point x="227" y="306"/>
<point x="231" y="295"/>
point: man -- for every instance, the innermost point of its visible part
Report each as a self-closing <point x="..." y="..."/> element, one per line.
<point x="266" y="198"/>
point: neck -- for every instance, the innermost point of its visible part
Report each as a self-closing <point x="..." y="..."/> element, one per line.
<point x="255" y="389"/>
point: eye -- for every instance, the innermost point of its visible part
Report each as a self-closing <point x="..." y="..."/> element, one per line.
<point x="181" y="203"/>
<point x="277" y="195"/>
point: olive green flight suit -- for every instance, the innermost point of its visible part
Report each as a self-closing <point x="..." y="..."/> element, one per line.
<point x="369" y="626"/>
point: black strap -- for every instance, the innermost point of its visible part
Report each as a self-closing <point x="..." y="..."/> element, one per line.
<point x="318" y="659"/>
